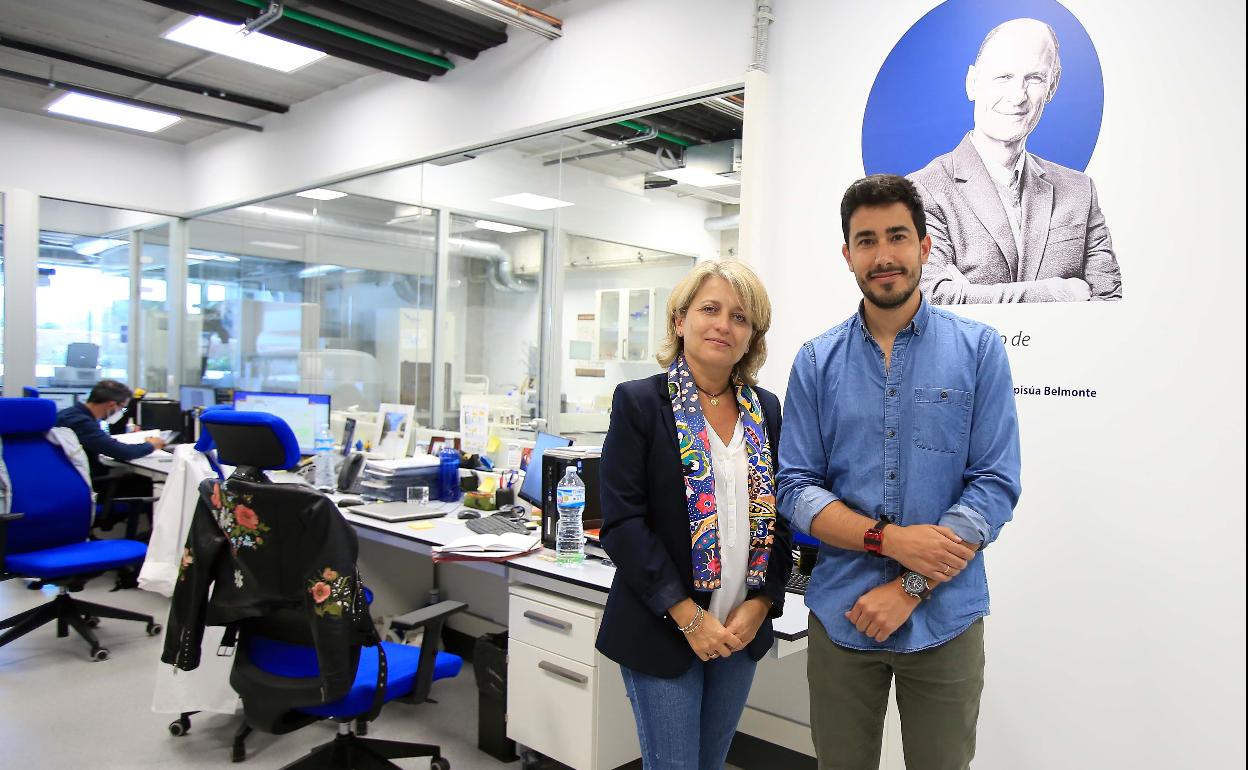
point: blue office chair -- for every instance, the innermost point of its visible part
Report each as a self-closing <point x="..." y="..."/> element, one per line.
<point x="29" y="392"/>
<point x="44" y="529"/>
<point x="274" y="660"/>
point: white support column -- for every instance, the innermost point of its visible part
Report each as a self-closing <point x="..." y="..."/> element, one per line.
<point x="21" y="276"/>
<point x="134" y="318"/>
<point x="441" y="274"/>
<point x="175" y="303"/>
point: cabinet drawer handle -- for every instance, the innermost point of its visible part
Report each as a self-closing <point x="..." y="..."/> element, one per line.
<point x="547" y="620"/>
<point x="563" y="672"/>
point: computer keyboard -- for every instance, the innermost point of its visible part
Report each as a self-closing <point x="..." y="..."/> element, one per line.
<point x="797" y="583"/>
<point x="495" y="525"/>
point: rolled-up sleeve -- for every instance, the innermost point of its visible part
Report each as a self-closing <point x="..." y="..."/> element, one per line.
<point x="802" y="454"/>
<point x="993" y="465"/>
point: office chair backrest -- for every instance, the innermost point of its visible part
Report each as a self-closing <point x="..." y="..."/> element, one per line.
<point x="29" y="392"/>
<point x="256" y="440"/>
<point x="46" y="486"/>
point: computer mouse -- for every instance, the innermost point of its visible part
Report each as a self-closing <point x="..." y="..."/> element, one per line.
<point x="347" y="502"/>
<point x="468" y="515"/>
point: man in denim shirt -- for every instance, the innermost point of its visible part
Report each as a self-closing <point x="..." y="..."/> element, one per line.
<point x="900" y="454"/>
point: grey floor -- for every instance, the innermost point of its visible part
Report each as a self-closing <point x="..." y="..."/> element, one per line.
<point x="58" y="709"/>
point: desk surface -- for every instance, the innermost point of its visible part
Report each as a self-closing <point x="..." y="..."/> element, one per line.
<point x="593" y="574"/>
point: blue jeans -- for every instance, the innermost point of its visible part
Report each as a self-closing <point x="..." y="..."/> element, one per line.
<point x="687" y="723"/>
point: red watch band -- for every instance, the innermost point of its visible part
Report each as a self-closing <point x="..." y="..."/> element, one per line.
<point x="873" y="539"/>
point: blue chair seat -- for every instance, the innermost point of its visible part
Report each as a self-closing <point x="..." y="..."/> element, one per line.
<point x="292" y="660"/>
<point x="76" y="559"/>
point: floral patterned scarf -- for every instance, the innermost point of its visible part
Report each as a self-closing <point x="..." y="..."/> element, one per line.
<point x="695" y="458"/>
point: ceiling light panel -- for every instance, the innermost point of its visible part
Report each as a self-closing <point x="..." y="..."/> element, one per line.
<point x="498" y="227"/>
<point x="228" y="40"/>
<point x="532" y="201"/>
<point x="321" y="194"/>
<point x="113" y="113"/>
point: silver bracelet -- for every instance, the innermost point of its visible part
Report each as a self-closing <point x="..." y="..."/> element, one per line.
<point x="693" y="624"/>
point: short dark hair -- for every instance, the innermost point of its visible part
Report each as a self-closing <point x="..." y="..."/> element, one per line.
<point x="881" y="190"/>
<point x="109" y="390"/>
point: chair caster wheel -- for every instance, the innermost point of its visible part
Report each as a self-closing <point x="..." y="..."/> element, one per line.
<point x="99" y="653"/>
<point x="179" y="727"/>
<point x="153" y="629"/>
<point x="439" y="763"/>
<point x="92" y="621"/>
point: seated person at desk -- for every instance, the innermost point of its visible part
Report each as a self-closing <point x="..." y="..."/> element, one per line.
<point x="701" y="559"/>
<point x="107" y="401"/>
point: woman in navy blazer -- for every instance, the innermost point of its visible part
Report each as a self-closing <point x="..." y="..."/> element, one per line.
<point x="697" y="582"/>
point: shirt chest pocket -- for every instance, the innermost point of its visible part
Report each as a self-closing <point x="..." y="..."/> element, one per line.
<point x="942" y="417"/>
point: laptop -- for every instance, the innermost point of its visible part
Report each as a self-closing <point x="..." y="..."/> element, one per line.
<point x="82" y="355"/>
<point x="395" y="512"/>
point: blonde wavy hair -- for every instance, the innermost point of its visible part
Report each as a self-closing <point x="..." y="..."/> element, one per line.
<point x="748" y="288"/>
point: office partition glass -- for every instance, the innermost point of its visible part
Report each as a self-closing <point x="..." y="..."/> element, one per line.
<point x="82" y="300"/>
<point x="313" y="296"/>
<point x="153" y="332"/>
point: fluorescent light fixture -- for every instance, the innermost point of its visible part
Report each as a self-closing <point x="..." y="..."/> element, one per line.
<point x="96" y="245"/>
<point x="269" y="211"/>
<point x="207" y="256"/>
<point x="697" y="177"/>
<point x="318" y="270"/>
<point x="257" y="48"/>
<point x="321" y="194"/>
<point x="275" y="245"/>
<point x="531" y="201"/>
<point x="498" y="227"/>
<point x="111" y="112"/>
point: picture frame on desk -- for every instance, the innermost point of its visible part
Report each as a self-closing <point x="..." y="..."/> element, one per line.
<point x="438" y="443"/>
<point x="395" y="422"/>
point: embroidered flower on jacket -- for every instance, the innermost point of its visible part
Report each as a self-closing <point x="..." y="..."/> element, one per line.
<point x="238" y="578"/>
<point x="331" y="593"/>
<point x="245" y="517"/>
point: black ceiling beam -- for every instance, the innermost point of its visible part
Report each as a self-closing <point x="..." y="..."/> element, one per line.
<point x="436" y="20"/>
<point x="360" y="15"/>
<point x="295" y="32"/>
<point x="181" y="85"/>
<point x="88" y="91"/>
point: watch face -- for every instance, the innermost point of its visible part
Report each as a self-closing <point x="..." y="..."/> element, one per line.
<point x="915" y="583"/>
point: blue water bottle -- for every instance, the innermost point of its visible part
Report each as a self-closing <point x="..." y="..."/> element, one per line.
<point x="448" y="475"/>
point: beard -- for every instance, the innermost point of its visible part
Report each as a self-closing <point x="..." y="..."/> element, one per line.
<point x="894" y="297"/>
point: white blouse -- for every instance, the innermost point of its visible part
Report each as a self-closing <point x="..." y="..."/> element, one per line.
<point x="732" y="494"/>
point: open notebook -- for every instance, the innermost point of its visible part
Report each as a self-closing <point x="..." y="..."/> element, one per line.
<point x="491" y="545"/>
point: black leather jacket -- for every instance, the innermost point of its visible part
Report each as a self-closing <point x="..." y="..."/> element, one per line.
<point x="279" y="560"/>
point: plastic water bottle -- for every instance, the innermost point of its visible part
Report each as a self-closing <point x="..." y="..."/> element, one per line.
<point x="570" y="532"/>
<point x="323" y="459"/>
<point x="448" y="475"/>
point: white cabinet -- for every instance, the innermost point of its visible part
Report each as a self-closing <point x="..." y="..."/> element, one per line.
<point x="564" y="699"/>
<point x="629" y="323"/>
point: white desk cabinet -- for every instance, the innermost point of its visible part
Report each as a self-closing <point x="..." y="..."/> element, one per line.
<point x="564" y="699"/>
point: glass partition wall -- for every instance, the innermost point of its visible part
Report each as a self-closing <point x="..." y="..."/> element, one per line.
<point x="527" y="279"/>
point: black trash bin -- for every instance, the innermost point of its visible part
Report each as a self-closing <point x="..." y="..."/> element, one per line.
<point x="489" y="662"/>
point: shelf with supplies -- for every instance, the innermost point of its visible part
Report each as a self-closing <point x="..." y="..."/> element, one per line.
<point x="628" y="324"/>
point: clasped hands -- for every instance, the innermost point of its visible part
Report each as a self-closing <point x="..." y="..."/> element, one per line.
<point x="931" y="550"/>
<point x="714" y="639"/>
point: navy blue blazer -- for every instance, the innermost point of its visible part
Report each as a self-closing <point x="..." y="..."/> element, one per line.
<point x="645" y="530"/>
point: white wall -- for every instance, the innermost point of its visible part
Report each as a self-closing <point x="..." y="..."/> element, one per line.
<point x="612" y="55"/>
<point x="1117" y="637"/>
<point x="62" y="159"/>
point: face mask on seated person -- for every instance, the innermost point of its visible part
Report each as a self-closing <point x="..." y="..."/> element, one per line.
<point x="115" y="417"/>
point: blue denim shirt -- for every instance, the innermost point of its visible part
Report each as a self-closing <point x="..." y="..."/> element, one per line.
<point x="931" y="440"/>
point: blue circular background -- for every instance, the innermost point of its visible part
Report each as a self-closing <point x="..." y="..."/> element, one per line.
<point x="918" y="108"/>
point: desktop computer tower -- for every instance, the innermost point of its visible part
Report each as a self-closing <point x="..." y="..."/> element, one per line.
<point x="555" y="463"/>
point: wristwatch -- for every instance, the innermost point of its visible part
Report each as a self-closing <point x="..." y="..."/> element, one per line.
<point x="873" y="539"/>
<point x="916" y="585"/>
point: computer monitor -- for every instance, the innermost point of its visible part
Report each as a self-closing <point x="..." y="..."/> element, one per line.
<point x="531" y="489"/>
<point x="305" y="413"/>
<point x="82" y="355"/>
<point x="62" y="398"/>
<point x="160" y="414"/>
<point x="194" y="396"/>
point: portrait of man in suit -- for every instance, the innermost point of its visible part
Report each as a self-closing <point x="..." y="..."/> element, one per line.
<point x="1006" y="225"/>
